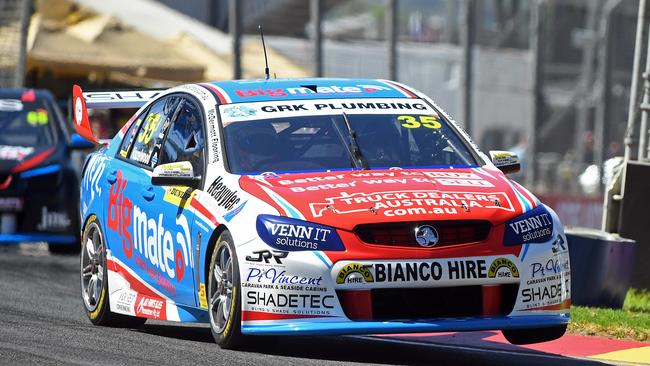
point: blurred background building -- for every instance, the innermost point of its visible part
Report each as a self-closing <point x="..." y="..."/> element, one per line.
<point x="549" y="79"/>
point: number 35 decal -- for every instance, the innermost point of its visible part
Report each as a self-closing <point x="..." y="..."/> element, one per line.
<point x="153" y="120"/>
<point x="420" y="121"/>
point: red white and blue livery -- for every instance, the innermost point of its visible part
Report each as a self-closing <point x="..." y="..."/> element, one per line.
<point x="311" y="206"/>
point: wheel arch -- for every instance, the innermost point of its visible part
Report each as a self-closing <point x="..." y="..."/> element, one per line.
<point x="212" y="242"/>
<point x="83" y="226"/>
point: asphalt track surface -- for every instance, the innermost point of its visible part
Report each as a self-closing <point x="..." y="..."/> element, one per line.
<point x="42" y="321"/>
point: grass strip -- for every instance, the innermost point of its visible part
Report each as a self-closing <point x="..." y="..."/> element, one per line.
<point x="631" y="322"/>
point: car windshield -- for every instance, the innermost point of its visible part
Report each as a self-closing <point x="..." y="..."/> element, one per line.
<point x="25" y="123"/>
<point x="290" y="143"/>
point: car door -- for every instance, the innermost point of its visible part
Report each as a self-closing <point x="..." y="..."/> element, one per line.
<point x="147" y="232"/>
<point x="185" y="142"/>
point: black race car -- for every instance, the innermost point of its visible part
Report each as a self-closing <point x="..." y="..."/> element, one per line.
<point x="39" y="185"/>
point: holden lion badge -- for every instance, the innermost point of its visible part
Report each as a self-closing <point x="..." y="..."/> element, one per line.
<point x="426" y="236"/>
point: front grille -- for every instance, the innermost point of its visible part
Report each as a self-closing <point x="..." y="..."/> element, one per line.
<point x="432" y="303"/>
<point x="403" y="233"/>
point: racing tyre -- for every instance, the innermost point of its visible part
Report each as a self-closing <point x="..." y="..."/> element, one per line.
<point x="534" y="335"/>
<point x="224" y="294"/>
<point x="94" y="280"/>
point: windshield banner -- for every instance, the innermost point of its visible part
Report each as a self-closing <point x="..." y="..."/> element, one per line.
<point x="292" y="108"/>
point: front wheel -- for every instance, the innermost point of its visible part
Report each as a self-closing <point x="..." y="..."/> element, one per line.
<point x="94" y="280"/>
<point x="534" y="335"/>
<point x="224" y="294"/>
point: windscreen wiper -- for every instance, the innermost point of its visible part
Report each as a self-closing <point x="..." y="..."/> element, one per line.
<point x="354" y="145"/>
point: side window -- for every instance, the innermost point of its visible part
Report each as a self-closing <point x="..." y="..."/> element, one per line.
<point x="127" y="140"/>
<point x="185" y="140"/>
<point x="149" y="138"/>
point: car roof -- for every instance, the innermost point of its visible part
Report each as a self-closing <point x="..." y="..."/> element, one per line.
<point x="240" y="91"/>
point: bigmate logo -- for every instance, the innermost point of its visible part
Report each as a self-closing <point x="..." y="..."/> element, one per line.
<point x="120" y="210"/>
<point x="166" y="250"/>
<point x="311" y="90"/>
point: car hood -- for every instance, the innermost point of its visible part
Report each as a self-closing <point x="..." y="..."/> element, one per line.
<point x="349" y="198"/>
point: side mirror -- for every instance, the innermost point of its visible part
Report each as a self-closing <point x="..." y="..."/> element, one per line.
<point x="506" y="161"/>
<point x="79" y="143"/>
<point x="175" y="174"/>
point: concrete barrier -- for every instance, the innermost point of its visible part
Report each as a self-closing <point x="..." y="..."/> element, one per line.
<point x="601" y="267"/>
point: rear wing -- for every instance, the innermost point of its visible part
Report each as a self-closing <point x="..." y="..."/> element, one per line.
<point x="82" y="101"/>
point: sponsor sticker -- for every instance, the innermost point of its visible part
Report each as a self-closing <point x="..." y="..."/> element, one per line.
<point x="125" y="302"/>
<point x="279" y="276"/>
<point x="280" y="109"/>
<point x="203" y="300"/>
<point x="150" y="307"/>
<point x="53" y="220"/>
<point x="296" y="235"/>
<point x="178" y="195"/>
<point x="214" y="137"/>
<point x="425" y="273"/>
<point x="355" y="273"/>
<point x="535" y="226"/>
<point x="546" y="271"/>
<point x="290" y="303"/>
<point x="546" y="294"/>
<point x="8" y="152"/>
<point x="165" y="247"/>
<point x="404" y="203"/>
<point x="225" y="197"/>
<point x="239" y="111"/>
<point x="267" y="256"/>
<point x="503" y="267"/>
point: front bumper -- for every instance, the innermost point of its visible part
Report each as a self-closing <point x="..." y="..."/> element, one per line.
<point x="441" y="325"/>
<point x="47" y="209"/>
<point x="8" y="239"/>
<point x="370" y="289"/>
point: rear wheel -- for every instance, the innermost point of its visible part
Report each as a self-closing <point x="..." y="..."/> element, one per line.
<point x="534" y="335"/>
<point x="94" y="280"/>
<point x="224" y="294"/>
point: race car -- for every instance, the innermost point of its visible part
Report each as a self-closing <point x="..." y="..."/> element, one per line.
<point x="39" y="185"/>
<point x="312" y="206"/>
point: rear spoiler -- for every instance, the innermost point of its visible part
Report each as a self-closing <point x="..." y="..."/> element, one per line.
<point x="81" y="101"/>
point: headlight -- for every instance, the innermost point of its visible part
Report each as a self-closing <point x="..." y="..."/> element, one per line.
<point x="535" y="226"/>
<point x="294" y="235"/>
